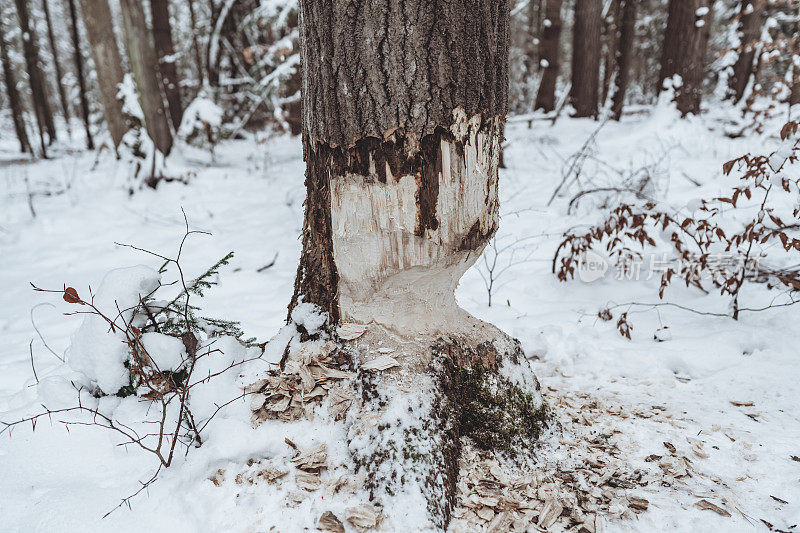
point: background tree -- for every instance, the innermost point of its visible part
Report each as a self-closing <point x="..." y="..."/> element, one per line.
<point x="586" y="50"/>
<point x="165" y="50"/>
<point x="144" y="65"/>
<point x="750" y="21"/>
<point x="684" y="51"/>
<point x="62" y="93"/>
<point x="79" y="74"/>
<point x="626" y="46"/>
<point x="14" y="100"/>
<point x="41" y="104"/>
<point x="107" y="63"/>
<point x="550" y="56"/>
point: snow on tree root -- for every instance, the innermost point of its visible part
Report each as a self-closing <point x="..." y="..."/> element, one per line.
<point x="409" y="435"/>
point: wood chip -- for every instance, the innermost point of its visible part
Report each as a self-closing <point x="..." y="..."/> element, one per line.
<point x="638" y="504"/>
<point x="742" y="404"/>
<point x="670" y="447"/>
<point x="363" y="516"/>
<point x="350" y="331"/>
<point x="312" y="458"/>
<point x="707" y="505"/>
<point x="549" y="513"/>
<point x="307" y="481"/>
<point x="382" y="362"/>
<point x="329" y="522"/>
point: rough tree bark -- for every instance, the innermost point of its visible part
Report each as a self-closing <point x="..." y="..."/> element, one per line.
<point x="684" y="51"/>
<point x="144" y="65"/>
<point x="402" y="132"/>
<point x="794" y="96"/>
<point x="107" y="62"/>
<point x="44" y="116"/>
<point x="165" y="50"/>
<point x="62" y="93"/>
<point x="626" y="44"/>
<point x="78" y="56"/>
<point x="14" y="101"/>
<point x="551" y="54"/>
<point x="586" y="57"/>
<point x="750" y="20"/>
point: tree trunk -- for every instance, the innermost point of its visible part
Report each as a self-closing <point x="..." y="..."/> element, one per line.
<point x="626" y="45"/>
<point x="144" y="65"/>
<point x="750" y="18"/>
<point x="684" y="51"/>
<point x="611" y="31"/>
<point x="107" y="62"/>
<point x="162" y="36"/>
<point x="794" y="96"/>
<point x="44" y="115"/>
<point x="402" y="133"/>
<point x="76" y="46"/>
<point x="586" y="57"/>
<point x="62" y="93"/>
<point x="551" y="54"/>
<point x="14" y="101"/>
<point x="198" y="57"/>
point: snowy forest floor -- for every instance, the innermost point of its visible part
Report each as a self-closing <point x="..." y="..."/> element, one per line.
<point x="708" y="413"/>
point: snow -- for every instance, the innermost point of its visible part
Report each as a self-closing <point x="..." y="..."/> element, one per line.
<point x="690" y="365"/>
<point x="168" y="353"/>
<point x="95" y="350"/>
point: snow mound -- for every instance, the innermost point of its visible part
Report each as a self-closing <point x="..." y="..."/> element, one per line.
<point x="168" y="353"/>
<point x="97" y="351"/>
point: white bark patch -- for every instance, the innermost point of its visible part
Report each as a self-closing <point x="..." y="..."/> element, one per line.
<point x="402" y="281"/>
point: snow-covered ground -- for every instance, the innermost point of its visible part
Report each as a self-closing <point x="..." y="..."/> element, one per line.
<point x="724" y="394"/>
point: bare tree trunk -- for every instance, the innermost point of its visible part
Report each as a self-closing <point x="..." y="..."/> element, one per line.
<point x="402" y="144"/>
<point x="14" y="101"/>
<point x="611" y="30"/>
<point x="627" y="43"/>
<point x="750" y="20"/>
<point x="794" y="97"/>
<point x="198" y="57"/>
<point x="44" y="115"/>
<point x="684" y="51"/>
<point x="586" y="57"/>
<point x="76" y="46"/>
<point x="62" y="93"/>
<point x="107" y="62"/>
<point x="551" y="54"/>
<point x="162" y="36"/>
<point x="144" y="64"/>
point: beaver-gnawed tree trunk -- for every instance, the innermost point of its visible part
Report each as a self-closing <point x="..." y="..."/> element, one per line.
<point x="403" y="121"/>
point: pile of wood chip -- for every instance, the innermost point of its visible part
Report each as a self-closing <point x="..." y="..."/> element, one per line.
<point x="309" y="375"/>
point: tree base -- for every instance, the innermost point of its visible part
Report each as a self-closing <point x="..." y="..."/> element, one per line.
<point x="414" y="422"/>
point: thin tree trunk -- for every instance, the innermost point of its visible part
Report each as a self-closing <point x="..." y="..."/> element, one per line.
<point x="162" y="37"/>
<point x="198" y="56"/>
<point x="107" y="62"/>
<point x="44" y="115"/>
<point x="402" y="143"/>
<point x="144" y="65"/>
<point x="551" y="54"/>
<point x="611" y="25"/>
<point x="794" y="97"/>
<point x="586" y="57"/>
<point x="750" y="20"/>
<point x="14" y="101"/>
<point x="76" y="45"/>
<point x="684" y="51"/>
<point x="627" y="43"/>
<point x="62" y="93"/>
